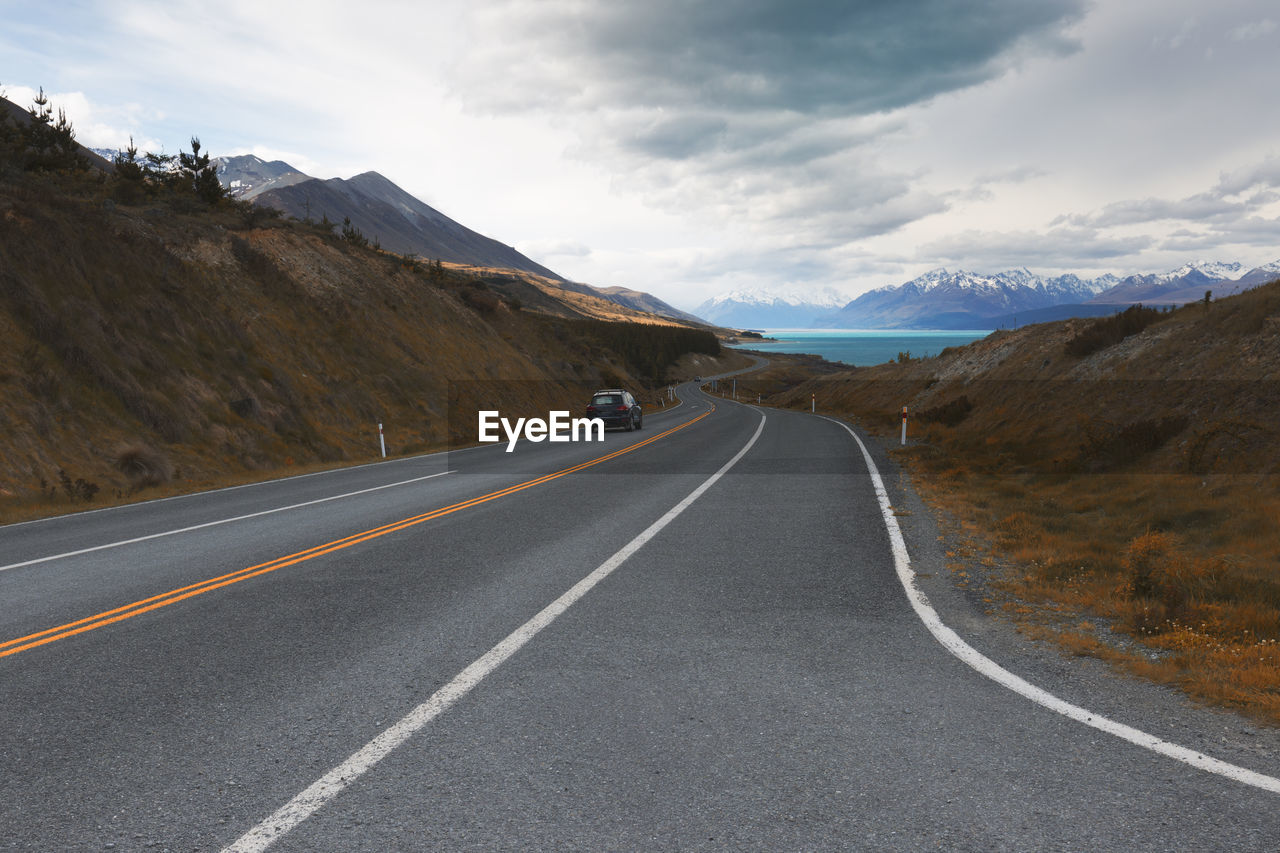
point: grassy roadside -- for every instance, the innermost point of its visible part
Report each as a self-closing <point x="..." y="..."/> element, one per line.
<point x="59" y="497"/>
<point x="1123" y="501"/>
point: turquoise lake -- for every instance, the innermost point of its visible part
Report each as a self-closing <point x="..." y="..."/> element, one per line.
<point x="862" y="347"/>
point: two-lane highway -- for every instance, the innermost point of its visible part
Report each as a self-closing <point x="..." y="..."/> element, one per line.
<point x="406" y="656"/>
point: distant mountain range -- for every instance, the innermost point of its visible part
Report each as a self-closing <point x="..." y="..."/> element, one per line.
<point x="946" y="299"/>
<point x="770" y="309"/>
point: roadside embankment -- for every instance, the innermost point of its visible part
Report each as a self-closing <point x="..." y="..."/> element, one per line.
<point x="1114" y="483"/>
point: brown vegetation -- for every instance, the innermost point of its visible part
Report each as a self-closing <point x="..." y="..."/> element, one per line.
<point x="177" y="343"/>
<point x="1131" y="487"/>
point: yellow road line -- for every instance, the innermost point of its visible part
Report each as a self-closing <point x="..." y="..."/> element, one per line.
<point x="155" y="602"/>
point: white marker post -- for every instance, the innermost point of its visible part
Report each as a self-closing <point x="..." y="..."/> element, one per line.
<point x="735" y="389"/>
<point x="813" y="402"/>
<point x="382" y="442"/>
<point x="904" y="426"/>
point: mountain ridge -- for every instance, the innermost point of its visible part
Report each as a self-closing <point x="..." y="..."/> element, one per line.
<point x="958" y="299"/>
<point x="398" y="221"/>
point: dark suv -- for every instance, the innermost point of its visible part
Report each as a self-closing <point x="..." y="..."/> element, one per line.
<point x="617" y="408"/>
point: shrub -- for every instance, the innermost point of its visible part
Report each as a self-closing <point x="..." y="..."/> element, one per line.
<point x="79" y="489"/>
<point x="950" y="413"/>
<point x="484" y="301"/>
<point x="647" y="349"/>
<point x="1159" y="573"/>
<point x="1109" y="331"/>
<point x="1108" y="446"/>
<point x="142" y="465"/>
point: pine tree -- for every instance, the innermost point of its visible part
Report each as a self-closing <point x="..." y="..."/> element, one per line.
<point x="130" y="175"/>
<point x="126" y="163"/>
<point x="352" y="234"/>
<point x="199" y="174"/>
<point x="50" y="143"/>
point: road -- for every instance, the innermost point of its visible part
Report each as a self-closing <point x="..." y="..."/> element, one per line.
<point x="364" y="660"/>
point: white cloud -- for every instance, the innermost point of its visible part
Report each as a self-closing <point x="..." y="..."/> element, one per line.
<point x="1254" y="30"/>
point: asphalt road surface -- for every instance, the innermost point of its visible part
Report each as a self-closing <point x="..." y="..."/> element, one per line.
<point x="364" y="660"/>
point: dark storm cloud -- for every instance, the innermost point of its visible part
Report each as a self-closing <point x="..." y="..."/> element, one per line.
<point x="810" y="56"/>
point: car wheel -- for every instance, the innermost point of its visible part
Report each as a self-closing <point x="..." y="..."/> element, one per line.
<point x="640" y="422"/>
<point x="631" y="424"/>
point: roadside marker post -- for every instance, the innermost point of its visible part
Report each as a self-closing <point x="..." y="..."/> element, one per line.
<point x="904" y="426"/>
<point x="382" y="442"/>
<point x="813" y="402"/>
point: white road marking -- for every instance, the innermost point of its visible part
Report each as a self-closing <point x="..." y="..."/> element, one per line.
<point x="984" y="665"/>
<point x="214" y="523"/>
<point x="336" y="780"/>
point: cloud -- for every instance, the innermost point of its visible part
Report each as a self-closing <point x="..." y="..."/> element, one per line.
<point x="1263" y="174"/>
<point x="1254" y="30"/>
<point x="1063" y="248"/>
<point x="1237" y="195"/>
<point x="552" y="249"/>
<point x="758" y="111"/>
<point x="808" y="56"/>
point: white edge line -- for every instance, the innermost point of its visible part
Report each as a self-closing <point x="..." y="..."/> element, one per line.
<point x="255" y="484"/>
<point x="294" y="812"/>
<point x="285" y="479"/>
<point x="214" y="523"/>
<point x="989" y="668"/>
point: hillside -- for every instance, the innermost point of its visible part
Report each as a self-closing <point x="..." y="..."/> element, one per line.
<point x="174" y="339"/>
<point x="1122" y="475"/>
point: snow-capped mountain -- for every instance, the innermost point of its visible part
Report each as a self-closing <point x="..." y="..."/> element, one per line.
<point x="1212" y="270"/>
<point x="1187" y="283"/>
<point x="776" y="308"/>
<point x="945" y="299"/>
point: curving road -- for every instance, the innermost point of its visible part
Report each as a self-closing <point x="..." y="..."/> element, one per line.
<point x="690" y="637"/>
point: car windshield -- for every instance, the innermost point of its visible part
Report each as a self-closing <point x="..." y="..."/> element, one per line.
<point x="606" y="400"/>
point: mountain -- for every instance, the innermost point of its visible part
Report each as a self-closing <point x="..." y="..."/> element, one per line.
<point x="641" y="301"/>
<point x="770" y="308"/>
<point x="1188" y="283"/>
<point x="247" y="176"/>
<point x="943" y="299"/>
<point x="389" y="216"/>
<point x="401" y="223"/>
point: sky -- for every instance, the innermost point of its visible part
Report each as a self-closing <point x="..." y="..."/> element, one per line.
<point x="692" y="148"/>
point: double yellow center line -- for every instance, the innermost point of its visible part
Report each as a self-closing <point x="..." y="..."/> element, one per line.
<point x="155" y="602"/>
